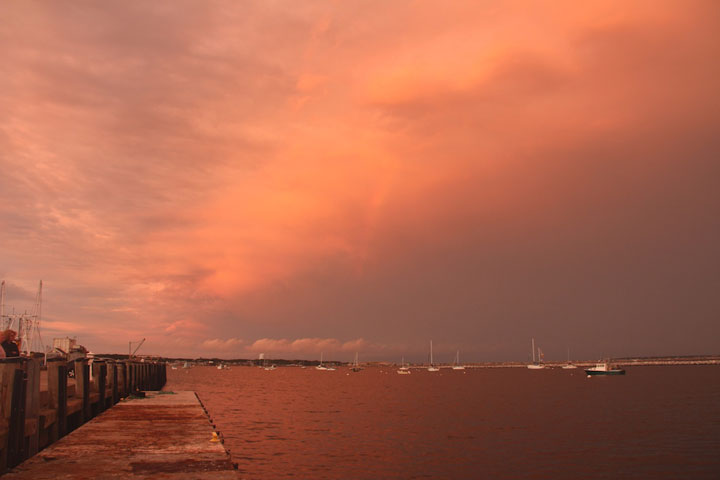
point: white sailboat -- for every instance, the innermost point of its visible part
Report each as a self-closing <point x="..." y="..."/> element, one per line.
<point x="356" y="366"/>
<point x="535" y="365"/>
<point x="404" y="369"/>
<point x="457" y="365"/>
<point x="432" y="367"/>
<point x="321" y="366"/>
<point x="569" y="365"/>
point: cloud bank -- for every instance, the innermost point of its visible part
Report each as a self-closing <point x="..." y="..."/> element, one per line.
<point x="289" y="175"/>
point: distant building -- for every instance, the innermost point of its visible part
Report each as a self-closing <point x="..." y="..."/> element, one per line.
<point x="69" y="347"/>
<point x="64" y="344"/>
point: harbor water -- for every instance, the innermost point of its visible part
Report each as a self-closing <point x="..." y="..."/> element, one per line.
<point x="499" y="423"/>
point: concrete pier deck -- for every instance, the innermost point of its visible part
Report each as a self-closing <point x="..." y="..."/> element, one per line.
<point x="165" y="435"/>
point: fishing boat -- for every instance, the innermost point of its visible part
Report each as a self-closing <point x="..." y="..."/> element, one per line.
<point x="432" y="367"/>
<point x="404" y="369"/>
<point x="569" y="365"/>
<point x="536" y="364"/>
<point x="604" y="368"/>
<point x="457" y="365"/>
<point x="356" y="367"/>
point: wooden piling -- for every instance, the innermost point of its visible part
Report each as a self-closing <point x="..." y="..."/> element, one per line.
<point x="82" y="388"/>
<point x="54" y="419"/>
<point x="32" y="403"/>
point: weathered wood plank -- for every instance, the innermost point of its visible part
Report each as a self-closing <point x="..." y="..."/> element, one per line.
<point x="163" y="435"/>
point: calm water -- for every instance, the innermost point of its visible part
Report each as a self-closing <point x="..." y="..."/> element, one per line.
<point x="653" y="423"/>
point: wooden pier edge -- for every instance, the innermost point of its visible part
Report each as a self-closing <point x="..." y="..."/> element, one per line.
<point x="39" y="404"/>
<point x="159" y="435"/>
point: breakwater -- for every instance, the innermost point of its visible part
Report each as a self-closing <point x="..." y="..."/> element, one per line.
<point x="41" y="404"/>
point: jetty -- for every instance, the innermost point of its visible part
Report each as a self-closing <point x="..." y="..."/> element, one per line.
<point x="101" y="418"/>
<point x="158" y="435"/>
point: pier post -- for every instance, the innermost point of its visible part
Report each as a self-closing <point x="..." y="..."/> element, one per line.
<point x="82" y="387"/>
<point x="130" y="377"/>
<point x="99" y="379"/>
<point x="32" y="404"/>
<point x="16" y="427"/>
<point x="57" y="397"/>
<point x="8" y="428"/>
<point x="114" y="382"/>
<point x="122" y="379"/>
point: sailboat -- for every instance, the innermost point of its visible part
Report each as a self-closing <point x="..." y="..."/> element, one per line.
<point x="356" y="367"/>
<point x="268" y="367"/>
<point x="320" y="366"/>
<point x="457" y="365"/>
<point x="569" y="365"/>
<point x="404" y="369"/>
<point x="535" y="365"/>
<point x="432" y="367"/>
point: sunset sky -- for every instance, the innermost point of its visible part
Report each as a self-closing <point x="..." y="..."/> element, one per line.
<point x="229" y="178"/>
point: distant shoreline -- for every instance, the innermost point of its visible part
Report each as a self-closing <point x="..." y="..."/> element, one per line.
<point x="624" y="361"/>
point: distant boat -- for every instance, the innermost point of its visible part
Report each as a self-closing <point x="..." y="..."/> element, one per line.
<point x="323" y="367"/>
<point x="404" y="369"/>
<point x="536" y="365"/>
<point x="432" y="367"/>
<point x="569" y="365"/>
<point x="356" y="367"/>
<point x="320" y="366"/>
<point x="265" y="365"/>
<point x="457" y="365"/>
<point x="604" y="368"/>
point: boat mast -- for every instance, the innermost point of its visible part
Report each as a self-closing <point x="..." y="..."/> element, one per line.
<point x="533" y="350"/>
<point x="431" y="359"/>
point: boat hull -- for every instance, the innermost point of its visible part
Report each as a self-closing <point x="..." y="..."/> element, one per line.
<point x="605" y="372"/>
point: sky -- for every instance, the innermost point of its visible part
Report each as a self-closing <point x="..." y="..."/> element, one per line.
<point x="230" y="178"/>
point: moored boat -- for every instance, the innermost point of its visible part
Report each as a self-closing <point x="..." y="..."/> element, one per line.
<point x="432" y="367"/>
<point x="404" y="369"/>
<point x="536" y="364"/>
<point x="457" y="365"/>
<point x="604" y="368"/>
<point x="356" y="366"/>
<point x="569" y="365"/>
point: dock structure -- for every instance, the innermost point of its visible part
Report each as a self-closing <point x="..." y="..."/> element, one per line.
<point x="164" y="435"/>
<point x="40" y="404"/>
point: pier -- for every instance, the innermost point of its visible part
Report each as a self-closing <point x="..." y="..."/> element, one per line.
<point x="39" y="405"/>
<point x="162" y="435"/>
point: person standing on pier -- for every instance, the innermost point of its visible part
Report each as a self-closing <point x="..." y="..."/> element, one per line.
<point x="9" y="346"/>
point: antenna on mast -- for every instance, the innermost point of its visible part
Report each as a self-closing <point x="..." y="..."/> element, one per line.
<point x="2" y="305"/>
<point x="29" y="327"/>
